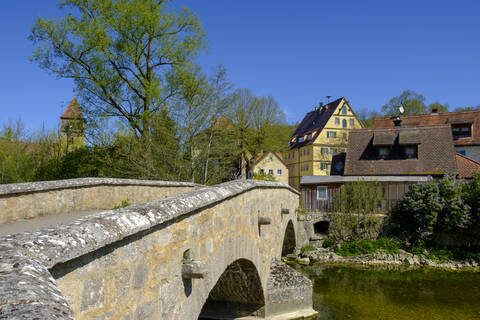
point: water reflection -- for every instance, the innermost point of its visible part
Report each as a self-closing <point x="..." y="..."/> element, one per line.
<point x="355" y="293"/>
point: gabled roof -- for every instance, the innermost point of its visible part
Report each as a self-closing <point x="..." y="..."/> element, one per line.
<point x="467" y="167"/>
<point x="73" y="111"/>
<point x="439" y="119"/>
<point x="262" y="156"/>
<point x="436" y="153"/>
<point x="315" y="121"/>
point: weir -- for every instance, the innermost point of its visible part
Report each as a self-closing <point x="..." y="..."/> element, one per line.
<point x="212" y="252"/>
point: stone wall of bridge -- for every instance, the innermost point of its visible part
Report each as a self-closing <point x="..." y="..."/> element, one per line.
<point x="127" y="263"/>
<point x="32" y="199"/>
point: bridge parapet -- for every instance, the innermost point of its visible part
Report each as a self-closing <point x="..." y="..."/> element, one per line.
<point x="126" y="263"/>
<point x="32" y="199"/>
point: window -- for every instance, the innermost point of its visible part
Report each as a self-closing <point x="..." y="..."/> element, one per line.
<point x="344" y="123"/>
<point x="344" y="109"/>
<point x="337" y="121"/>
<point x="344" y="135"/>
<point x="331" y="134"/>
<point x="352" y="122"/>
<point x="289" y="155"/>
<point x="309" y="137"/>
<point x="341" y="150"/>
<point x="463" y="130"/>
<point x="270" y="171"/>
<point x="300" y="139"/>
<point x="463" y="152"/>
<point x="293" y="155"/>
<point x="383" y="152"/>
<point x="332" y="151"/>
<point x="321" y="193"/>
<point x="411" y="152"/>
<point x="324" y="150"/>
<point x="262" y="170"/>
<point x="279" y="172"/>
<point x="324" y="166"/>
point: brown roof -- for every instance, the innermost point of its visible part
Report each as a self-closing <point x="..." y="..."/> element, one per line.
<point x="436" y="154"/>
<point x="467" y="168"/>
<point x="438" y="119"/>
<point x="73" y="111"/>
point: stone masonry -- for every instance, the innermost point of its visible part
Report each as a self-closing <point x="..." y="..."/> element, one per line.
<point x="32" y="199"/>
<point x="127" y="263"/>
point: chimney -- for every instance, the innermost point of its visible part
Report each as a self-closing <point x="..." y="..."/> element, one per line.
<point x="320" y="105"/>
<point x="434" y="110"/>
<point x="397" y="121"/>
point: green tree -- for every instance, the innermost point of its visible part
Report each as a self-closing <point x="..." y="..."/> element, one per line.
<point x="412" y="103"/>
<point x="125" y="56"/>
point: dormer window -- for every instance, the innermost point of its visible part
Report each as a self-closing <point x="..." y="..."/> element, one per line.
<point x="309" y="137"/>
<point x="463" y="130"/>
<point x="383" y="152"/>
<point x="410" y="152"/>
<point x="300" y="139"/>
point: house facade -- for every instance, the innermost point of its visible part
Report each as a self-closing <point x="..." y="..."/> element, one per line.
<point x="270" y="164"/>
<point x="392" y="158"/>
<point x="465" y="127"/>
<point x="321" y="134"/>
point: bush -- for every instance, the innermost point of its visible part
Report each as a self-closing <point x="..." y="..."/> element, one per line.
<point x="328" y="242"/>
<point x="356" y="248"/>
<point x="431" y="207"/>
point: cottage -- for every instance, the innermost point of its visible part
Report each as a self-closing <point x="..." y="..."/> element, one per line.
<point x="269" y="164"/>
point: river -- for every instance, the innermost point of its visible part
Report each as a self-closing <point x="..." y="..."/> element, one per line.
<point x="345" y="292"/>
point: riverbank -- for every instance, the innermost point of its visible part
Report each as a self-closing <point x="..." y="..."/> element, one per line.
<point x="380" y="258"/>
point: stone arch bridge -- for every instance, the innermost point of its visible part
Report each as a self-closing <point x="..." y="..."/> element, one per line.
<point x="208" y="253"/>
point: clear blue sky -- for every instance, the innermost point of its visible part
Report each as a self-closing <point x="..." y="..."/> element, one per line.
<point x="297" y="51"/>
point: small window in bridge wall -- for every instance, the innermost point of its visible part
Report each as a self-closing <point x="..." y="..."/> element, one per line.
<point x="321" y="193"/>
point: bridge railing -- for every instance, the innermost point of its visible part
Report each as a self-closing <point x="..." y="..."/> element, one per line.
<point x="32" y="199"/>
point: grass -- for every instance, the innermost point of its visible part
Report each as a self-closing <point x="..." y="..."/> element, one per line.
<point x="357" y="248"/>
<point x="307" y="248"/>
<point x="125" y="203"/>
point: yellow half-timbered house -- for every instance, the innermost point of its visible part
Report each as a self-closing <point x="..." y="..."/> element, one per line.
<point x="321" y="134"/>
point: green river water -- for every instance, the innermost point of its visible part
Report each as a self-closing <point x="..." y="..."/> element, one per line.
<point x="345" y="292"/>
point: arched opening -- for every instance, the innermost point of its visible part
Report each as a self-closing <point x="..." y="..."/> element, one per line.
<point x="321" y="227"/>
<point x="289" y="242"/>
<point x="237" y="293"/>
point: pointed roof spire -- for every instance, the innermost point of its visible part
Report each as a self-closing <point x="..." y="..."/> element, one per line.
<point x="73" y="111"/>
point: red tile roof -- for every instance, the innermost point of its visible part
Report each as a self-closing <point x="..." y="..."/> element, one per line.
<point x="438" y="119"/>
<point x="73" y="111"/>
<point x="467" y="168"/>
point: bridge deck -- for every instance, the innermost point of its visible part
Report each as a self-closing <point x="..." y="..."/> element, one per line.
<point x="40" y="222"/>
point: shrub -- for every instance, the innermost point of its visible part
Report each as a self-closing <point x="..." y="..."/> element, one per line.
<point x="430" y="207"/>
<point x="328" y="242"/>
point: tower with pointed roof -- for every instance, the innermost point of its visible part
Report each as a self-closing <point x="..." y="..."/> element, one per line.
<point x="72" y="129"/>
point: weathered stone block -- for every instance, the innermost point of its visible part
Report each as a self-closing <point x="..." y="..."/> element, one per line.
<point x="92" y="295"/>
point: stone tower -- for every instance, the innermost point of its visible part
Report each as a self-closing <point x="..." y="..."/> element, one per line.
<point x="72" y="129"/>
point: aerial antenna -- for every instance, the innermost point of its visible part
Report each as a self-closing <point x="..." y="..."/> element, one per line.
<point x="328" y="99"/>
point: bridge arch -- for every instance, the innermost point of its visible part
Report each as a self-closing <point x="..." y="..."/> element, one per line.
<point x="289" y="239"/>
<point x="237" y="293"/>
